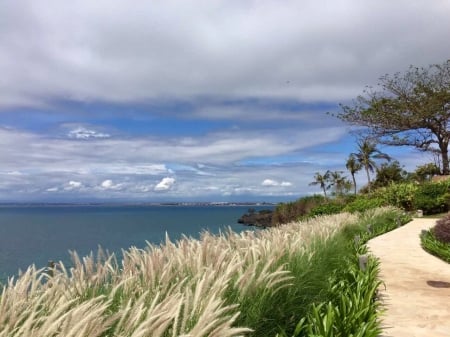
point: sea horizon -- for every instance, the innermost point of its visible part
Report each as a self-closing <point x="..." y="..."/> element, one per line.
<point x="36" y="233"/>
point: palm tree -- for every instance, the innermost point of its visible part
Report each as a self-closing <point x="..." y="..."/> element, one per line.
<point x="339" y="182"/>
<point x="353" y="166"/>
<point x="366" y="155"/>
<point x="323" y="180"/>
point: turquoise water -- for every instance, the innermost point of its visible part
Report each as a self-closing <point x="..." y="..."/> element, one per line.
<point x="34" y="235"/>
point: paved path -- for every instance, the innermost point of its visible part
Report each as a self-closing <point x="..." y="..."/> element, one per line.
<point x="417" y="293"/>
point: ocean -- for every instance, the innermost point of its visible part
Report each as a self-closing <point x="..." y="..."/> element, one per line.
<point x="37" y="234"/>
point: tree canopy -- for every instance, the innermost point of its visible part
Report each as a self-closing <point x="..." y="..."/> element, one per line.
<point x="411" y="108"/>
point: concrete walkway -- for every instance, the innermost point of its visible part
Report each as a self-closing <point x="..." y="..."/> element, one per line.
<point x="417" y="293"/>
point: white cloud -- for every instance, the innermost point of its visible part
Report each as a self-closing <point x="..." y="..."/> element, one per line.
<point x="271" y="182"/>
<point x="14" y="173"/>
<point x="52" y="189"/>
<point x="84" y="133"/>
<point x="165" y="184"/>
<point x="73" y="185"/>
<point x="107" y="183"/>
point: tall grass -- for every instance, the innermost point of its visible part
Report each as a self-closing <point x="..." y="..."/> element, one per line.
<point x="230" y="284"/>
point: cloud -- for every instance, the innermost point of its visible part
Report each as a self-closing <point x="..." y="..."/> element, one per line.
<point x="139" y="155"/>
<point x="73" y="185"/>
<point x="83" y="133"/>
<point x="165" y="184"/>
<point x="271" y="182"/>
<point x="52" y="189"/>
<point x="107" y="184"/>
<point x="132" y="53"/>
<point x="254" y="114"/>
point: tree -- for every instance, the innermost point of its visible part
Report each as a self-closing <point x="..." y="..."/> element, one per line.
<point x="353" y="166"/>
<point x="389" y="173"/>
<point x="339" y="182"/>
<point x="409" y="109"/>
<point x="425" y="172"/>
<point x="323" y="180"/>
<point x="366" y="156"/>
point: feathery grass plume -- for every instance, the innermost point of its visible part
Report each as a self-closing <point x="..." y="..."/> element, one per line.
<point x="220" y="285"/>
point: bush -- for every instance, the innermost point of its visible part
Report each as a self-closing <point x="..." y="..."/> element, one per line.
<point x="442" y="229"/>
<point x="327" y="209"/>
<point x="433" y="198"/>
<point x="401" y="195"/>
<point x="291" y="211"/>
<point x="363" y="203"/>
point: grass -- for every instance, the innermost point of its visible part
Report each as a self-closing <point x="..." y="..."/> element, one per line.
<point x="252" y="283"/>
<point x="351" y="307"/>
<point x="434" y="246"/>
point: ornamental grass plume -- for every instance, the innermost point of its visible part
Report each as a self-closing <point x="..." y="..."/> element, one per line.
<point x="184" y="288"/>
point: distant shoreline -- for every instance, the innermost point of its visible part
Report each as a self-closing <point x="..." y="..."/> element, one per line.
<point x="131" y="204"/>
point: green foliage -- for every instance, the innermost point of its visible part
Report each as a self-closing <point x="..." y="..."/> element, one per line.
<point x="291" y="211"/>
<point x="332" y="207"/>
<point x="399" y="195"/>
<point x="433" y="198"/>
<point x="353" y="310"/>
<point x="350" y="307"/>
<point x="425" y="172"/>
<point x="389" y="173"/>
<point x="363" y="203"/>
<point x="435" y="247"/>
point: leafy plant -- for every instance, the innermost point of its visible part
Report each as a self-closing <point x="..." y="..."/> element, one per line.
<point x="400" y="195"/>
<point x="434" y="246"/>
<point x="433" y="198"/>
<point x="326" y="209"/>
<point x="363" y="203"/>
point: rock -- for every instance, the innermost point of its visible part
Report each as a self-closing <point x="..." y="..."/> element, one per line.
<point x="261" y="219"/>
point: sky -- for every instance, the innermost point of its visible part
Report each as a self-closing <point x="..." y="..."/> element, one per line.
<point x="204" y="100"/>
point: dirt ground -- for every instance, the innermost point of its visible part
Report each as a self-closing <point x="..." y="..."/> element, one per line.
<point x="416" y="291"/>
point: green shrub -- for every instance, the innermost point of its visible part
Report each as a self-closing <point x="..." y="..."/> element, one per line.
<point x="291" y="211"/>
<point x="327" y="209"/>
<point x="401" y="195"/>
<point x="432" y="198"/>
<point x="363" y="203"/>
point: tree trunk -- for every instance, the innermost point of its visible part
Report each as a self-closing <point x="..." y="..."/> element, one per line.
<point x="324" y="192"/>
<point x="368" y="179"/>
<point x="354" y="182"/>
<point x="443" y="146"/>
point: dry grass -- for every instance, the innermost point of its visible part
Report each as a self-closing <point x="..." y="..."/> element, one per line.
<point x="176" y="289"/>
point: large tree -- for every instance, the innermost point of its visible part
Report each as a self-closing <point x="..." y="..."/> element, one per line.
<point x="411" y="108"/>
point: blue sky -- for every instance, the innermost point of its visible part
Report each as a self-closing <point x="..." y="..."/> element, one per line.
<point x="195" y="101"/>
